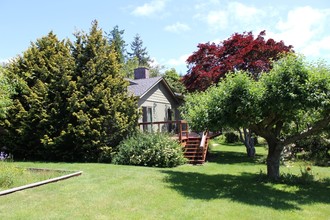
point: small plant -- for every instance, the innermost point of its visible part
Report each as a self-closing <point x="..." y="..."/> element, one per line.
<point x="307" y="174"/>
<point x="150" y="149"/>
<point x="8" y="172"/>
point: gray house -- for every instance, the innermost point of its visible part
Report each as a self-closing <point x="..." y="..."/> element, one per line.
<point x="155" y="98"/>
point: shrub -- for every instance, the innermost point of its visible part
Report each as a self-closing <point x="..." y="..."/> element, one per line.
<point x="149" y="149"/>
<point x="231" y="137"/>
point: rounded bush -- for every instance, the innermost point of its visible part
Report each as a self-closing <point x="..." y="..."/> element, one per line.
<point x="149" y="149"/>
<point x="231" y="137"/>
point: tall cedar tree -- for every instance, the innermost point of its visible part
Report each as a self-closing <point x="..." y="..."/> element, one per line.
<point x="102" y="112"/>
<point x="40" y="103"/>
<point x="116" y="40"/>
<point x="211" y="61"/>
<point x="139" y="51"/>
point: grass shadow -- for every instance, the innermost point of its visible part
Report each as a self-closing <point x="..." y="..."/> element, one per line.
<point x="231" y="157"/>
<point x="246" y="188"/>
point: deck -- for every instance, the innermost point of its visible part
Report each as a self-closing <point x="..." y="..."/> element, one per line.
<point x="195" y="145"/>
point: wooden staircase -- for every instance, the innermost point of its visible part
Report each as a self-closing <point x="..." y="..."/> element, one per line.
<point x="194" y="147"/>
<point x="194" y="151"/>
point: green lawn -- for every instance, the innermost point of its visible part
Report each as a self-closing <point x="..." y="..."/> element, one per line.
<point x="226" y="187"/>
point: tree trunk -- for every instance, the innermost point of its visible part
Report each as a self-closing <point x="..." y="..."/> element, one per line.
<point x="273" y="160"/>
<point x="248" y="141"/>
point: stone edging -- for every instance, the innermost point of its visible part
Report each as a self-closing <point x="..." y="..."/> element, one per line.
<point x="52" y="180"/>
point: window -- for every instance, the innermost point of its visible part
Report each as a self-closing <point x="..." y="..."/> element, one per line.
<point x="147" y="118"/>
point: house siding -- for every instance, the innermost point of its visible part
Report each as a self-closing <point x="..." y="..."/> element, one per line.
<point x="160" y="100"/>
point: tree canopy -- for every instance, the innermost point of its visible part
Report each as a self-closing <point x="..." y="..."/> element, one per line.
<point x="211" y="61"/>
<point x="289" y="103"/>
<point x="174" y="80"/>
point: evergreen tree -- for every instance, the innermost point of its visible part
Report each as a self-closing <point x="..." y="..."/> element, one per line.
<point x="116" y="39"/>
<point x="102" y="111"/>
<point x="39" y="109"/>
<point x="139" y="51"/>
<point x="71" y="102"/>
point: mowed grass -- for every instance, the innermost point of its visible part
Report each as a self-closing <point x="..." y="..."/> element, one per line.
<point x="228" y="186"/>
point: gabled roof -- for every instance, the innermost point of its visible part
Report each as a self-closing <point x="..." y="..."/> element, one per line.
<point x="140" y="87"/>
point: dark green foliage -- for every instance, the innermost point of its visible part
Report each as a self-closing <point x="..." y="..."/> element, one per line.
<point x="316" y="149"/>
<point x="150" y="149"/>
<point x="231" y="137"/>
<point x="139" y="51"/>
<point x="74" y="103"/>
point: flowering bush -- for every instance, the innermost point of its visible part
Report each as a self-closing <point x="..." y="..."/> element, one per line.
<point x="3" y="156"/>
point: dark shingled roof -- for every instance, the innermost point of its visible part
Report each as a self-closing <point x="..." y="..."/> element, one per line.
<point x="139" y="87"/>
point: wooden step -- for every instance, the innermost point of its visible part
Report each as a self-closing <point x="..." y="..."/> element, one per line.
<point x="192" y="150"/>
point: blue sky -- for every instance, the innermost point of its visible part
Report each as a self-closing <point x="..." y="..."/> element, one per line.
<point x="170" y="29"/>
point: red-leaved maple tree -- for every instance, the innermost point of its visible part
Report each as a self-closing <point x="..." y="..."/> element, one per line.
<point x="240" y="52"/>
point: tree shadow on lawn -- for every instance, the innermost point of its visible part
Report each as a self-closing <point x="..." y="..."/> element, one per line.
<point x="230" y="157"/>
<point x="247" y="188"/>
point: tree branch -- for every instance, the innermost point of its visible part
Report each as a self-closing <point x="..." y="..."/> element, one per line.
<point x="317" y="127"/>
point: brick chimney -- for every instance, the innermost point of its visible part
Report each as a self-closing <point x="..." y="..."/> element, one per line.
<point x="141" y="73"/>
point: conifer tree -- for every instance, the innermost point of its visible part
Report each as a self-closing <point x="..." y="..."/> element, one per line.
<point x="71" y="102"/>
<point x="139" y="51"/>
<point x="38" y="113"/>
<point x="102" y="111"/>
<point x="116" y="39"/>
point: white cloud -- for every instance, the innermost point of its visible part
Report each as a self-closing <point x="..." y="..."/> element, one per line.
<point x="301" y="26"/>
<point x="154" y="62"/>
<point x="217" y="19"/>
<point x="179" y="61"/>
<point x="220" y="17"/>
<point x="302" y="30"/>
<point x="314" y="48"/>
<point x="177" y="27"/>
<point x="244" y="13"/>
<point x="149" y="8"/>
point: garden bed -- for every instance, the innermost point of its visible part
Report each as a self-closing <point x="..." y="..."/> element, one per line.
<point x="67" y="174"/>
